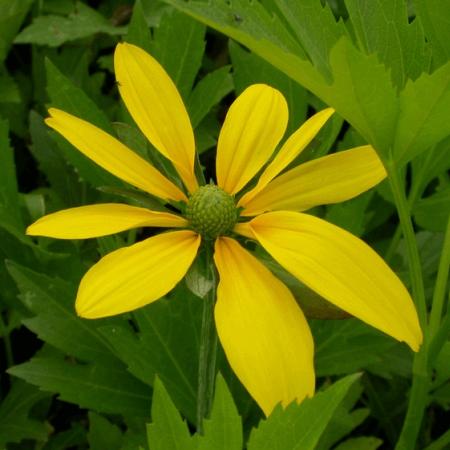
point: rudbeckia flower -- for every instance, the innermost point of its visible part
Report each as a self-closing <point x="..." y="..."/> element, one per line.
<point x="261" y="327"/>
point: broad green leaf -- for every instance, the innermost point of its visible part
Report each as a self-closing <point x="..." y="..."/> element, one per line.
<point x="167" y="331"/>
<point x="168" y="429"/>
<point x="316" y="29"/>
<point x="209" y="91"/>
<point x="425" y="107"/>
<point x="249" y="68"/>
<point x="434" y="17"/>
<point x="223" y="430"/>
<point x="432" y="212"/>
<point x="66" y="96"/>
<point x="346" y="346"/>
<point x="9" y="195"/>
<point x="55" y="321"/>
<point x="59" y="174"/>
<point x="383" y="27"/>
<point x="138" y="30"/>
<point x="181" y="56"/>
<point x="360" y="443"/>
<point x="73" y="437"/>
<point x="12" y="13"/>
<point x="15" y="421"/>
<point x="103" y="434"/>
<point x="56" y="30"/>
<point x="106" y="388"/>
<point x="9" y="91"/>
<point x="299" y="427"/>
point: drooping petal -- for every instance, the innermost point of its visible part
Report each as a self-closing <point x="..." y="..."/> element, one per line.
<point x="253" y="127"/>
<point x="135" y="276"/>
<point x="296" y="143"/>
<point x="330" y="179"/>
<point x="100" y="220"/>
<point x="112" y="155"/>
<point x="153" y="101"/>
<point x="342" y="269"/>
<point x="262" y="330"/>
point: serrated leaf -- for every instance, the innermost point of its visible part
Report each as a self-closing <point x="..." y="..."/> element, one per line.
<point x="299" y="427"/>
<point x="56" y="30"/>
<point x="103" y="434"/>
<point x="15" y="421"/>
<point x="382" y="27"/>
<point x="167" y="332"/>
<point x="434" y="17"/>
<point x="168" y="429"/>
<point x="223" y="430"/>
<point x="106" y="388"/>
<point x="52" y="301"/>
<point x="316" y="29"/>
<point x="180" y="57"/>
<point x="425" y="107"/>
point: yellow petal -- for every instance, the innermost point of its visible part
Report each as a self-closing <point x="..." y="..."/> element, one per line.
<point x="342" y="269"/>
<point x="262" y="330"/>
<point x="112" y="155"/>
<point x="156" y="106"/>
<point x="330" y="179"/>
<point x="135" y="276"/>
<point x="253" y="127"/>
<point x="296" y="143"/>
<point x="100" y="220"/>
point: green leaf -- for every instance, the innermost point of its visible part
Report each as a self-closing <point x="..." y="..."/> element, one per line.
<point x="209" y="91"/>
<point x="360" y="443"/>
<point x="249" y="68"/>
<point x="382" y="27"/>
<point x="167" y="332"/>
<point x="52" y="301"/>
<point x="299" y="427"/>
<point x="138" y="31"/>
<point x="432" y="212"/>
<point x="56" y="30"/>
<point x="106" y="388"/>
<point x="316" y="29"/>
<point x="434" y="17"/>
<point x="9" y="91"/>
<point x="346" y="346"/>
<point x="15" y="421"/>
<point x="425" y="106"/>
<point x="168" y="429"/>
<point x="66" y="96"/>
<point x="223" y="430"/>
<point x="103" y="434"/>
<point x="180" y="56"/>
<point x="12" y="13"/>
<point x="9" y="195"/>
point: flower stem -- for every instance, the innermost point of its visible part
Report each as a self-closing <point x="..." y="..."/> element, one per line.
<point x="421" y="379"/>
<point x="208" y="345"/>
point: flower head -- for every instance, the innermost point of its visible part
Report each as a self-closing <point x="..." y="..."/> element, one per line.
<point x="261" y="327"/>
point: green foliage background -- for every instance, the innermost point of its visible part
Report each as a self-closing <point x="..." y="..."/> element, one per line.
<point x="130" y="382"/>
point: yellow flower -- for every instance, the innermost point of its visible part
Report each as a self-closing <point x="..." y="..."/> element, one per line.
<point x="260" y="326"/>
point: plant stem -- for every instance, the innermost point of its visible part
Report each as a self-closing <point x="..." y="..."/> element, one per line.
<point x="208" y="346"/>
<point x="421" y="380"/>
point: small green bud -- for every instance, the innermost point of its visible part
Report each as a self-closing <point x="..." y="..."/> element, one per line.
<point x="211" y="211"/>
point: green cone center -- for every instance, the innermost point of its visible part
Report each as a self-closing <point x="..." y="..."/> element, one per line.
<point x="211" y="211"/>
